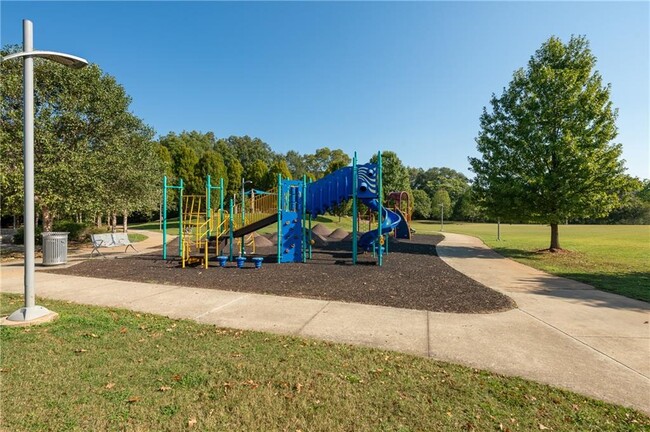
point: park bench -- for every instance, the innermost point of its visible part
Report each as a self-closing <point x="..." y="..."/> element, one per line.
<point x="110" y="240"/>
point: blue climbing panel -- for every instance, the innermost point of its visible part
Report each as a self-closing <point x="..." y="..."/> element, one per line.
<point x="291" y="231"/>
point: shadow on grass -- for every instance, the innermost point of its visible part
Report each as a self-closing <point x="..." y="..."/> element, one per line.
<point x="634" y="285"/>
<point x="557" y="287"/>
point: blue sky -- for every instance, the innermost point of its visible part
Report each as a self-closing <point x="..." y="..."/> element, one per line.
<point x="408" y="77"/>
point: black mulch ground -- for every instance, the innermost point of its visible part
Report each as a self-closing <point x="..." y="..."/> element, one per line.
<point x="412" y="277"/>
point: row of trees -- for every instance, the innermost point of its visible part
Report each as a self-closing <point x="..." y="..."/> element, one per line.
<point x="193" y="155"/>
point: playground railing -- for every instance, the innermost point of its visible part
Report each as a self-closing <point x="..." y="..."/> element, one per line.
<point x="261" y="207"/>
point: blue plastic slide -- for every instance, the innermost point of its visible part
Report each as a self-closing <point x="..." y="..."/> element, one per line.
<point x="390" y="220"/>
<point x="335" y="188"/>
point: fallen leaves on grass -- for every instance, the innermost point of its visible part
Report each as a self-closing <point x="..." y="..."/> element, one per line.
<point x="252" y="384"/>
<point x="542" y="427"/>
<point x="133" y="399"/>
<point x="191" y="422"/>
<point x="164" y="388"/>
<point x="110" y="385"/>
<point x="80" y="350"/>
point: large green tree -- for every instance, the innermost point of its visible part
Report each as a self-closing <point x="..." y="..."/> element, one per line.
<point x="135" y="169"/>
<point x="394" y="173"/>
<point x="82" y="121"/>
<point x="465" y="208"/>
<point x="421" y="204"/>
<point x="547" y="151"/>
<point x="296" y="164"/>
<point x="319" y="163"/>
<point x="212" y="164"/>
<point x="249" y="150"/>
<point x="434" y="179"/>
<point x="271" y="179"/>
<point x="257" y="173"/>
<point x="441" y="204"/>
<point x="184" y="161"/>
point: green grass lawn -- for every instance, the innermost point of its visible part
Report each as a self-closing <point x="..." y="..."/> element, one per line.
<point x="111" y="369"/>
<point x="172" y="226"/>
<point x="136" y="237"/>
<point x="613" y="258"/>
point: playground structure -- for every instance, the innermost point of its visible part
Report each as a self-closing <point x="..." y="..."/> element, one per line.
<point x="403" y="206"/>
<point x="292" y="205"/>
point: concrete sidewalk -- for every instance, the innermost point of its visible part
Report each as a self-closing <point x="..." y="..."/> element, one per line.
<point x="564" y="333"/>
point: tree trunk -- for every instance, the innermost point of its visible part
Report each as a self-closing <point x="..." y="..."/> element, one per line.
<point x="125" y="223"/>
<point x="48" y="219"/>
<point x="555" y="237"/>
<point x="113" y="221"/>
<point x="99" y="220"/>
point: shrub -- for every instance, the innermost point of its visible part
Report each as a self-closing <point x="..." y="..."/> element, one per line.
<point x="77" y="231"/>
<point x="19" y="237"/>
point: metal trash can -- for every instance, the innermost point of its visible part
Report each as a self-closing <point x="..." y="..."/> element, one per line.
<point x="55" y="248"/>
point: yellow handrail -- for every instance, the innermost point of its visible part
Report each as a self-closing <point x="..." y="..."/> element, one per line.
<point x="256" y="209"/>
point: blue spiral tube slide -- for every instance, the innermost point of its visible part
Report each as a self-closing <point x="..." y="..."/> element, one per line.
<point x="390" y="220"/>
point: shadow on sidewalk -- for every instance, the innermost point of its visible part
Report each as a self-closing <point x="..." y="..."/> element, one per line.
<point x="557" y="286"/>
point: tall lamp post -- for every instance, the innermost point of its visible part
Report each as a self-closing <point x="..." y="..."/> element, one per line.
<point x="31" y="311"/>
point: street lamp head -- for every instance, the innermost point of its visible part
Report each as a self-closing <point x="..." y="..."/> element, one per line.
<point x="68" y="60"/>
<point x="65" y="59"/>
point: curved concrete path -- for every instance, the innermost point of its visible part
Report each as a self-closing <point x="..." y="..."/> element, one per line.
<point x="564" y="333"/>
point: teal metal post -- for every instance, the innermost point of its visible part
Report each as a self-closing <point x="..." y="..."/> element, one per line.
<point x="242" y="249"/>
<point x="309" y="236"/>
<point x="164" y="217"/>
<point x="304" y="218"/>
<point x="231" y="238"/>
<point x="180" y="221"/>
<point x="355" y="210"/>
<point x="208" y="194"/>
<point x="380" y="197"/>
<point x="279" y="218"/>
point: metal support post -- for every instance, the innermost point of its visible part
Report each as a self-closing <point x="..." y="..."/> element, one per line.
<point x="304" y="218"/>
<point x="180" y="221"/>
<point x="164" y="217"/>
<point x="279" y="218"/>
<point x="231" y="238"/>
<point x="380" y="197"/>
<point x="355" y="210"/>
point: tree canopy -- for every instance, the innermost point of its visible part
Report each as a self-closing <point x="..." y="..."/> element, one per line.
<point x="421" y="204"/>
<point x="91" y="153"/>
<point x="547" y="151"/>
<point x="395" y="174"/>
